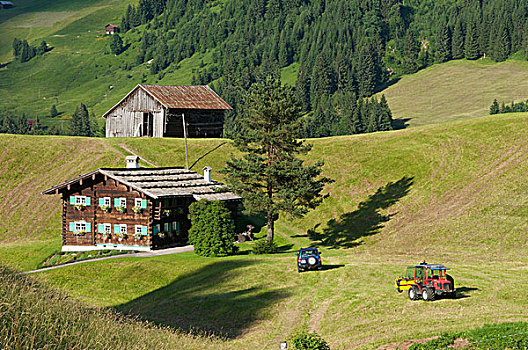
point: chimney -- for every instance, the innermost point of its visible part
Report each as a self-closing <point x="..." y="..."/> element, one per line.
<point x="132" y="162"/>
<point x="207" y="173"/>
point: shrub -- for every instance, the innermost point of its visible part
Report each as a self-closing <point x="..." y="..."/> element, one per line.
<point x="309" y="341"/>
<point x="264" y="247"/>
<point x="212" y="232"/>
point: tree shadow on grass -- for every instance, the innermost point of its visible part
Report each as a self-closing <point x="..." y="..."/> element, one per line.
<point x="203" y="302"/>
<point x="365" y="221"/>
<point x="400" y="123"/>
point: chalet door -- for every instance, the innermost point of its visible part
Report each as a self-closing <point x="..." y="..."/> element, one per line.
<point x="147" y="124"/>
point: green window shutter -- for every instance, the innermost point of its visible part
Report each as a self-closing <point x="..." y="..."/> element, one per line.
<point x="88" y="227"/>
<point x="88" y="200"/>
<point x="177" y="228"/>
<point x="116" y="202"/>
<point x="72" y="226"/>
<point x="144" y="230"/>
<point x="170" y="226"/>
<point x="101" y="202"/>
<point x="72" y="200"/>
<point x="117" y="228"/>
<point x="155" y="230"/>
<point x="100" y="228"/>
<point x="143" y="204"/>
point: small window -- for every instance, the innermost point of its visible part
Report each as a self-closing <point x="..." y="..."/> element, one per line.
<point x="122" y="202"/>
<point x="139" y="229"/>
<point x="80" y="200"/>
<point x="106" y="201"/>
<point x="107" y="228"/>
<point x="80" y="226"/>
<point x="123" y="228"/>
<point x="137" y="202"/>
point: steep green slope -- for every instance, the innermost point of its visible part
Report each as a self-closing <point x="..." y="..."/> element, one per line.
<point x="457" y="90"/>
<point x="450" y="188"/>
<point x="451" y="193"/>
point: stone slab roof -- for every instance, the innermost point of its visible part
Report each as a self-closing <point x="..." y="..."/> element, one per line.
<point x="160" y="183"/>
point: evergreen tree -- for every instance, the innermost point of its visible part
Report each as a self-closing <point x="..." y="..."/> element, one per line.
<point x="17" y="47"/>
<point x="53" y="111"/>
<point x="116" y="44"/>
<point x="443" y="44"/>
<point x="42" y="48"/>
<point x="494" y="108"/>
<point x="302" y="89"/>
<point x="471" y="47"/>
<point x="366" y="74"/>
<point x="457" y="42"/>
<point x="502" y="44"/>
<point x="385" y="118"/>
<point x="269" y="176"/>
<point x="80" y="123"/>
<point x="411" y="50"/>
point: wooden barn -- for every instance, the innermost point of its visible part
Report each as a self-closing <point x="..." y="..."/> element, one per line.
<point x="111" y="29"/>
<point x="165" y="111"/>
<point x="133" y="208"/>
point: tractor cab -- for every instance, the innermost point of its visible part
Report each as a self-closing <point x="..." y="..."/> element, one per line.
<point x="426" y="280"/>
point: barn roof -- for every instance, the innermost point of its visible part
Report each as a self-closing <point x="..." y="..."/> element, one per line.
<point x="110" y="25"/>
<point x="181" y="97"/>
<point x="159" y="183"/>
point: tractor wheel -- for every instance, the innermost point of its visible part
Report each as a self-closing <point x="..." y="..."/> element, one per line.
<point x="428" y="294"/>
<point x="413" y="293"/>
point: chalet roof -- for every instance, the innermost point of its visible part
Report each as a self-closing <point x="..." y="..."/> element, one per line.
<point x="160" y="183"/>
<point x="181" y="97"/>
<point x="111" y="25"/>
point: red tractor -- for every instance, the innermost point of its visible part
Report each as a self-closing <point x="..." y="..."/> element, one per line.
<point x="427" y="281"/>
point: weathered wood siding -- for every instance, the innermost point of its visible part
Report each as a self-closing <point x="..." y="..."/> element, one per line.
<point x="126" y="120"/>
<point x="94" y="215"/>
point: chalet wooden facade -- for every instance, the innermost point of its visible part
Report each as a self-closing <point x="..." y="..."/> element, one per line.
<point x="162" y="111"/>
<point x="133" y="208"/>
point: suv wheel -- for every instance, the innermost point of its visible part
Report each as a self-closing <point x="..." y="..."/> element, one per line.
<point x="413" y="293"/>
<point x="299" y="269"/>
<point x="428" y="294"/>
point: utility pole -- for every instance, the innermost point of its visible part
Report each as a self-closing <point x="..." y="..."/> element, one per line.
<point x="185" y="138"/>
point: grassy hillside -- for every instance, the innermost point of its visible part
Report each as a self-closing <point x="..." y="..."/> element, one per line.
<point x="457" y="90"/>
<point x="452" y="193"/>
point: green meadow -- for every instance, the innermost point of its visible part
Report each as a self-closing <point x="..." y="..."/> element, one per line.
<point x="451" y="193"/>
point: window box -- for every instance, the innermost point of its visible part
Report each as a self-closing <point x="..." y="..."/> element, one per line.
<point x="80" y="202"/>
<point x="80" y="228"/>
<point x="104" y="204"/>
<point x="120" y="204"/>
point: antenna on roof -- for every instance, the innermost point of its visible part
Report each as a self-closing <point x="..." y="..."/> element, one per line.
<point x="185" y="138"/>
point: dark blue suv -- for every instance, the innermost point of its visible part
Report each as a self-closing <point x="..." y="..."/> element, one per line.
<point x="308" y="259"/>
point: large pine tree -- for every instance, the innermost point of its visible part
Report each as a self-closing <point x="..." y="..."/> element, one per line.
<point x="471" y="45"/>
<point x="270" y="176"/>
